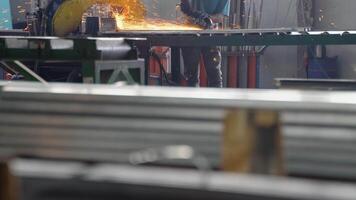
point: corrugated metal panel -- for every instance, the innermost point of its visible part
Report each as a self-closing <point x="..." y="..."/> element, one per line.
<point x="320" y="144"/>
<point x="107" y="124"/>
<point x="90" y="129"/>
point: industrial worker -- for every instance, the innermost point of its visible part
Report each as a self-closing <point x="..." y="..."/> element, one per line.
<point x="201" y="12"/>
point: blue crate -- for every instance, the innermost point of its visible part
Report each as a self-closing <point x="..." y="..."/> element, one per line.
<point x="323" y="68"/>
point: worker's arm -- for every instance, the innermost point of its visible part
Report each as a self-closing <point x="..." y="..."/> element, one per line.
<point x="200" y="18"/>
<point x="187" y="9"/>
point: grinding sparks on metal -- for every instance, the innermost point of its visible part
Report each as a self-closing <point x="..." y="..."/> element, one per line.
<point x="126" y="21"/>
<point x="150" y="24"/>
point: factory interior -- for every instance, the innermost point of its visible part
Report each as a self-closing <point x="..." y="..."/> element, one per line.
<point x="177" y="99"/>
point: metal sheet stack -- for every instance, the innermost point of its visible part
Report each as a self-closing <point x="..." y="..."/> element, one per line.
<point x="320" y="144"/>
<point x="87" y="126"/>
<point x="108" y="123"/>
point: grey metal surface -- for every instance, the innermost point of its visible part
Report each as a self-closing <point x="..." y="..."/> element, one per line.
<point x="317" y="84"/>
<point x="45" y="176"/>
<point x="107" y="123"/>
<point x="113" y="49"/>
<point x="320" y="144"/>
<point x="96" y="129"/>
<point x="207" y="97"/>
<point x="120" y="66"/>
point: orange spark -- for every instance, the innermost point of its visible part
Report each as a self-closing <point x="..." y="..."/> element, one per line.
<point x="123" y="23"/>
<point x="125" y="20"/>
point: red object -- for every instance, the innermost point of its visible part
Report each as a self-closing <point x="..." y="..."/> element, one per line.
<point x="233" y="72"/>
<point x="252" y="71"/>
<point x="203" y="76"/>
<point x="154" y="68"/>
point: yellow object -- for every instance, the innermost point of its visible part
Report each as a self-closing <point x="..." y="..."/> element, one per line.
<point x="252" y="142"/>
<point x="123" y="23"/>
<point x="69" y="15"/>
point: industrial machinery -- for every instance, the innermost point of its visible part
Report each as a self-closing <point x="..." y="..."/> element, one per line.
<point x="112" y="61"/>
<point x="92" y="60"/>
<point x="62" y="17"/>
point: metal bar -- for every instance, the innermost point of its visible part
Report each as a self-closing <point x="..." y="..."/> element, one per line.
<point x="14" y="33"/>
<point x="117" y="181"/>
<point x="19" y="68"/>
<point x="214" y="98"/>
<point x="128" y="76"/>
<point x="28" y="73"/>
<point x="270" y="37"/>
<point x="253" y="40"/>
<point x="176" y="65"/>
<point x="317" y="84"/>
<point x="114" y="76"/>
<point x="145" y="54"/>
<point x="8" y="68"/>
<point x="88" y="71"/>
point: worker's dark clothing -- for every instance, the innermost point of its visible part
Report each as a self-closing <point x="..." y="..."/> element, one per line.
<point x="212" y="7"/>
<point x="211" y="55"/>
<point x="212" y="62"/>
<point x="196" y="8"/>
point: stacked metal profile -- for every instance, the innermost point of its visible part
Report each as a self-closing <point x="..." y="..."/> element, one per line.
<point x="108" y="123"/>
<point x="320" y="144"/>
<point x="85" y="126"/>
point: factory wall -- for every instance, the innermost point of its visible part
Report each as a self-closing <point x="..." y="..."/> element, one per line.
<point x="278" y="61"/>
<point x="338" y="15"/>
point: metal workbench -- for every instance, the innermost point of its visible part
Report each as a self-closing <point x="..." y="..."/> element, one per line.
<point x="317" y="84"/>
<point x="250" y="37"/>
<point x="85" y="48"/>
<point x="243" y="37"/>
